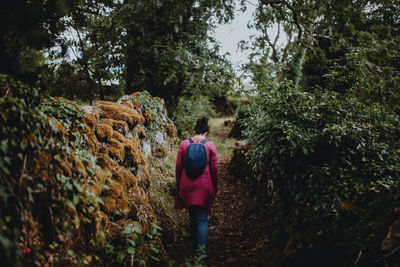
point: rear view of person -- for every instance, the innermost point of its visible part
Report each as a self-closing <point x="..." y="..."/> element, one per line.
<point x="197" y="182"/>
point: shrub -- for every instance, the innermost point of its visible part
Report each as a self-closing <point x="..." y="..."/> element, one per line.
<point x="243" y="114"/>
<point x="45" y="174"/>
<point x="189" y="110"/>
<point x="335" y="169"/>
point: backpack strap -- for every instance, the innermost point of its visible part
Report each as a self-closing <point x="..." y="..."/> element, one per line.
<point x="204" y="141"/>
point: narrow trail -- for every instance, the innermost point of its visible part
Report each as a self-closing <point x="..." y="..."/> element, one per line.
<point x="237" y="236"/>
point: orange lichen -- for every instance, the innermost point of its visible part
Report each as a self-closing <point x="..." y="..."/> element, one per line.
<point x="118" y="125"/>
<point x="119" y="112"/>
<point x="143" y="176"/>
<point x="80" y="167"/>
<point x="171" y="131"/>
<point x="116" y="189"/>
<point x="125" y="177"/>
<point x="133" y="153"/>
<point x="90" y="119"/>
<point x="115" y="152"/>
<point x="92" y="143"/>
<point x="104" y="131"/>
<point x="135" y="94"/>
<point x="58" y="125"/>
<point x="109" y="204"/>
<point x="102" y="175"/>
<point x="140" y="132"/>
<point x="116" y="149"/>
<point x="104" y="161"/>
<point x="149" y="115"/>
<point x="118" y="193"/>
<point x="119" y="137"/>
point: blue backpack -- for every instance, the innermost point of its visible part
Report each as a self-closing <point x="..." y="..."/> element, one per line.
<point x="195" y="158"/>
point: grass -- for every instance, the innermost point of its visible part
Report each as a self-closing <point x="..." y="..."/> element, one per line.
<point x="219" y="135"/>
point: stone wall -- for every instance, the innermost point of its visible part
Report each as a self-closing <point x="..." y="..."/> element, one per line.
<point x="122" y="142"/>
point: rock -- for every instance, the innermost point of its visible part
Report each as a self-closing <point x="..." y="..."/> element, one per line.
<point x="104" y="131"/>
<point x="117" y="125"/>
<point x="159" y="138"/>
<point x="146" y="148"/>
<point x="118" y="112"/>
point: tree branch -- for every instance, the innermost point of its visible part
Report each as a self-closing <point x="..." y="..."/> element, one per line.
<point x="291" y="8"/>
<point x="274" y="55"/>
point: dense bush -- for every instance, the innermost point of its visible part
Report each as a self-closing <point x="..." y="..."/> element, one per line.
<point x="335" y="169"/>
<point x="189" y="110"/>
<point x="244" y="113"/>
<point x="45" y="173"/>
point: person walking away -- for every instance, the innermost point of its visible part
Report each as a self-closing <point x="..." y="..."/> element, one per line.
<point x="197" y="182"/>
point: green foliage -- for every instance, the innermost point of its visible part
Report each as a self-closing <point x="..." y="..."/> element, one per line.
<point x="102" y="49"/>
<point x="27" y="28"/>
<point x="244" y="113"/>
<point x="370" y="69"/>
<point x="335" y="45"/>
<point x="175" y="57"/>
<point x="197" y="261"/>
<point x="151" y="107"/>
<point x="188" y="111"/>
<point x="334" y="166"/>
<point x="49" y="213"/>
<point x="135" y="246"/>
<point x="73" y="81"/>
<point x="40" y="187"/>
<point x="116" y="48"/>
<point x="324" y="148"/>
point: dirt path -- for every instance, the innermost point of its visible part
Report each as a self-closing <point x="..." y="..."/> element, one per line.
<point x="237" y="236"/>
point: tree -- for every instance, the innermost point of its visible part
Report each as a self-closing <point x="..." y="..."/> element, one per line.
<point x="159" y="46"/>
<point x="27" y="27"/>
<point x="341" y="45"/>
<point x="167" y="51"/>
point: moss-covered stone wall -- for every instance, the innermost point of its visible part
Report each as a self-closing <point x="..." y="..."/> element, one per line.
<point x="75" y="179"/>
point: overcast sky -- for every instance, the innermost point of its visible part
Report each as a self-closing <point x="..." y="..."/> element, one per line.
<point x="229" y="35"/>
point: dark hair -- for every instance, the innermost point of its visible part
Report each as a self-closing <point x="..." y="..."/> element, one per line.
<point x="201" y="125"/>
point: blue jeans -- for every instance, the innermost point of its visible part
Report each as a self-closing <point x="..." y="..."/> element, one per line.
<point x="198" y="219"/>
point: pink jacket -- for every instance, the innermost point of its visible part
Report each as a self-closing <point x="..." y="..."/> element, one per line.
<point x="202" y="190"/>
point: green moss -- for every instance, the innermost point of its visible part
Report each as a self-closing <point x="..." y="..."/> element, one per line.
<point x="152" y="109"/>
